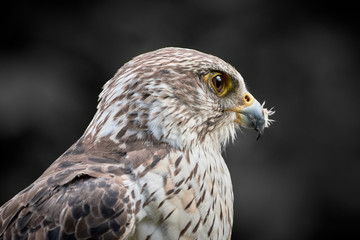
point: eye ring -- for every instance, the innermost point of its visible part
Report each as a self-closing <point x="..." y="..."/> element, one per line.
<point x="220" y="82"/>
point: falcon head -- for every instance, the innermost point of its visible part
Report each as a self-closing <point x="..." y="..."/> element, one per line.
<point x="181" y="97"/>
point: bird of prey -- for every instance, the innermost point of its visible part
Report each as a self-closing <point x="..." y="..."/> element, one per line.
<point x="149" y="165"/>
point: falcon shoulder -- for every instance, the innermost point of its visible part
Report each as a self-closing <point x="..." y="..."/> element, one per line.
<point x="81" y="195"/>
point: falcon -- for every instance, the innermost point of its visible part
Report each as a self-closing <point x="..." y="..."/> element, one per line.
<point x="149" y="165"/>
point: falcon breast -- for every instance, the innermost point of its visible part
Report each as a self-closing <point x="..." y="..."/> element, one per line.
<point x="149" y="165"/>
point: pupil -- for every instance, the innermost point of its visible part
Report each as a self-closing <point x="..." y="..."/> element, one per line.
<point x="218" y="82"/>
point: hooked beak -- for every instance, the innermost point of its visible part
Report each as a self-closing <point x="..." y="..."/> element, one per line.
<point x="253" y="115"/>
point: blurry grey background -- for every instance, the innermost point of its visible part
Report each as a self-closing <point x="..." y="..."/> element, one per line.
<point x="300" y="181"/>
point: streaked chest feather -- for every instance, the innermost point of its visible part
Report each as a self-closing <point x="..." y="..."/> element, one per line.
<point x="190" y="198"/>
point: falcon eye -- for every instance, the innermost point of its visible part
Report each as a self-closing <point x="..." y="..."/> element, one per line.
<point x="220" y="82"/>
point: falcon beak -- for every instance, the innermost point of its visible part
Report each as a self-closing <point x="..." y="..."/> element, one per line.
<point x="252" y="115"/>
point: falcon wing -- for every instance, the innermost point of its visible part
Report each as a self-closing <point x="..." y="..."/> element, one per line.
<point x="78" y="196"/>
<point x="86" y="207"/>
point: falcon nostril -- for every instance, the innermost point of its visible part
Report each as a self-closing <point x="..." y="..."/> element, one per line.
<point x="248" y="99"/>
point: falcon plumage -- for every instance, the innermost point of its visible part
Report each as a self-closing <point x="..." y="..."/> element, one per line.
<point x="149" y="165"/>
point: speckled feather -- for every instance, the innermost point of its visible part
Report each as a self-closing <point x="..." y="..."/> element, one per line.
<point x="149" y="165"/>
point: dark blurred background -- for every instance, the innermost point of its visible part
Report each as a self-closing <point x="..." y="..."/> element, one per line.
<point x="300" y="181"/>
